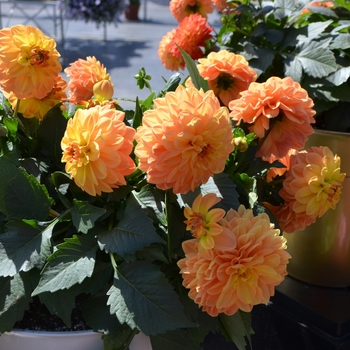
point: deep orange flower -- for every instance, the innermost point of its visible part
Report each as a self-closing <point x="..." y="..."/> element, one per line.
<point x="184" y="8"/>
<point x="239" y="278"/>
<point x="280" y="106"/>
<point x="190" y="35"/>
<point x="227" y="73"/>
<point x="96" y="148"/>
<point x="28" y="62"/>
<point x="203" y="224"/>
<point x="166" y="50"/>
<point x="184" y="140"/>
<point x="318" y="3"/>
<point x="84" y="74"/>
<point x="38" y="108"/>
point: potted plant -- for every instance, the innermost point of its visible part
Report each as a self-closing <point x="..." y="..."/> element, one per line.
<point x="152" y="220"/>
<point x="132" y="10"/>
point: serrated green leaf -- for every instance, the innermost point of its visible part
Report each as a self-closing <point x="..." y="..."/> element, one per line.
<point x="141" y="295"/>
<point x="341" y="41"/>
<point x="71" y="263"/>
<point x="60" y="303"/>
<point x="238" y="328"/>
<point x="84" y="215"/>
<point x="21" y="195"/>
<point x="134" y="231"/>
<point x="13" y="302"/>
<point x="174" y="340"/>
<point x="23" y="247"/>
<point x="197" y="80"/>
<point x="51" y="131"/>
<point x="340" y="76"/>
<point x="96" y="314"/>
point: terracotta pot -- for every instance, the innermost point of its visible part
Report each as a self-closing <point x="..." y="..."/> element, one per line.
<point x="87" y="340"/>
<point x="132" y="12"/>
<point x="321" y="252"/>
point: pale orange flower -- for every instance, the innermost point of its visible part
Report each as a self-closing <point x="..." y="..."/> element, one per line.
<point x="273" y="172"/>
<point x="184" y="140"/>
<point x="84" y="74"/>
<point x="280" y="106"/>
<point x="223" y="5"/>
<point x="184" y="8"/>
<point x="239" y="278"/>
<point x="165" y="52"/>
<point x="29" y="62"/>
<point x="96" y="148"/>
<point x="38" y="108"/>
<point x="227" y="73"/>
<point x="314" y="182"/>
<point x="103" y="90"/>
<point x="318" y="3"/>
<point x="203" y="224"/>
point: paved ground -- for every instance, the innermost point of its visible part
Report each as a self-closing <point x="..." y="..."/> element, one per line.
<point x="130" y="45"/>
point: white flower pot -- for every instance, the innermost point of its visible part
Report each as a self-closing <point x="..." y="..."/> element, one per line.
<point x="87" y="340"/>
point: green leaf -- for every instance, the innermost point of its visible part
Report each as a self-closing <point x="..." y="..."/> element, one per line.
<point x="84" y="215"/>
<point x="197" y="80"/>
<point x="340" y="76"/>
<point x="60" y="303"/>
<point x="23" y="247"/>
<point x="119" y="339"/>
<point x="96" y="314"/>
<point x="174" y="340"/>
<point x="142" y="295"/>
<point x="21" y="195"/>
<point x="134" y="231"/>
<point x="13" y="302"/>
<point x="171" y="85"/>
<point x="237" y="328"/>
<point x="341" y="41"/>
<point x="51" y="132"/>
<point x="73" y="261"/>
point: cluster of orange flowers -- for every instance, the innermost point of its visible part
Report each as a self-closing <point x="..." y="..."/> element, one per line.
<point x="235" y="259"/>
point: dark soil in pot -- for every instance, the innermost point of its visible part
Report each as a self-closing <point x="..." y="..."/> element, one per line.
<point x="38" y="317"/>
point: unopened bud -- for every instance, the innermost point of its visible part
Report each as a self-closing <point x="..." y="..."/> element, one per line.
<point x="240" y="143"/>
<point x="103" y="90"/>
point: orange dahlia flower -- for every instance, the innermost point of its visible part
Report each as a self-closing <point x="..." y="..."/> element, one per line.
<point x="38" y="108"/>
<point x="273" y="172"/>
<point x="183" y="8"/>
<point x="190" y="35"/>
<point x="184" y="140"/>
<point x="239" y="278"/>
<point x="223" y="5"/>
<point x="227" y="73"/>
<point x="203" y="224"/>
<point x="280" y="106"/>
<point x="29" y="62"/>
<point x="166" y="50"/>
<point x="96" y="148"/>
<point x="314" y="182"/>
<point x="84" y="74"/>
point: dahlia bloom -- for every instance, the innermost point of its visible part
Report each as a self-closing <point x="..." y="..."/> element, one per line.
<point x="273" y="172"/>
<point x="184" y="8"/>
<point x="29" y="62"/>
<point x="223" y="5"/>
<point x="84" y="74"/>
<point x="38" y="108"/>
<point x="227" y="73"/>
<point x="239" y="278"/>
<point x="203" y="224"/>
<point x="280" y="106"/>
<point x="165" y="52"/>
<point x="314" y="182"/>
<point x="190" y="35"/>
<point x="184" y="140"/>
<point x="96" y="148"/>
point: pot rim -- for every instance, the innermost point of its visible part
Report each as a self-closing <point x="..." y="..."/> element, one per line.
<point x="29" y="332"/>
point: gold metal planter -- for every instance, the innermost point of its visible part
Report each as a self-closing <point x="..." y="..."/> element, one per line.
<point x="321" y="252"/>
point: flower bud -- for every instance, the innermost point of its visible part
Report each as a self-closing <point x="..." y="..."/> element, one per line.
<point x="103" y="90"/>
<point x="240" y="143"/>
